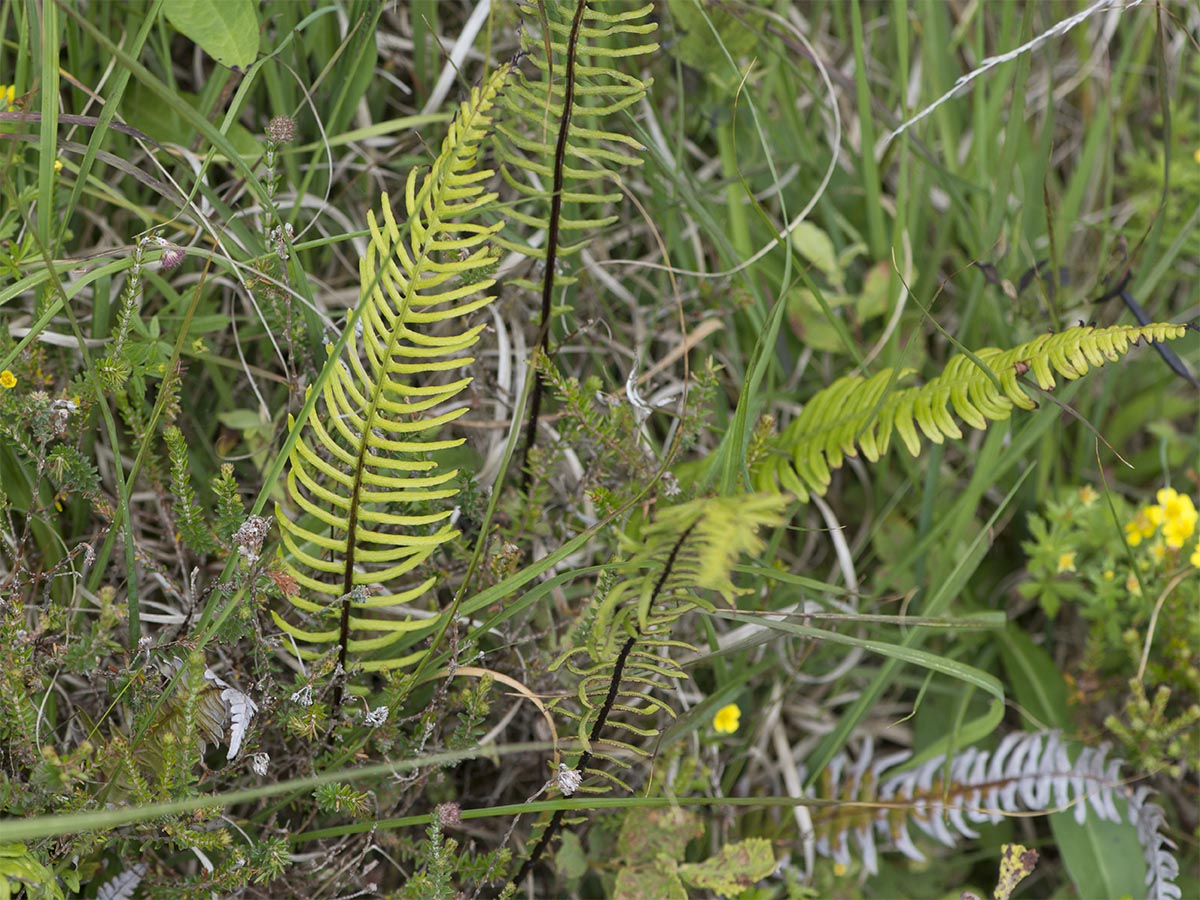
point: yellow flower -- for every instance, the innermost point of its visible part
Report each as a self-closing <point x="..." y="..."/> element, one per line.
<point x="1087" y="496"/>
<point x="1066" y="562"/>
<point x="726" y="719"/>
<point x="8" y="380"/>
<point x="1109" y="575"/>
<point x="1177" y="514"/>
<point x="1158" y="552"/>
<point x="1133" y="585"/>
<point x="1196" y="156"/>
<point x="840" y="869"/>
<point x="8" y="93"/>
<point x="1141" y="527"/>
<point x="58" y="164"/>
<point x="1195" y="557"/>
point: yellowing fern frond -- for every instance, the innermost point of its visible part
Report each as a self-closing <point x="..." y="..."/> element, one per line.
<point x="857" y="413"/>
<point x="368" y="499"/>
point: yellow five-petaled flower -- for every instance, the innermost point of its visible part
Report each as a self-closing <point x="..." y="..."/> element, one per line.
<point x="727" y="718"/>
<point x="1140" y="528"/>
<point x="8" y="380"/>
<point x="1175" y="514"/>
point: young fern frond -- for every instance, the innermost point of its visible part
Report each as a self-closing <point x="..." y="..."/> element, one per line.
<point x="370" y="497"/>
<point x="526" y="138"/>
<point x="857" y="413"/>
<point x="688" y="550"/>
<point x="1027" y="772"/>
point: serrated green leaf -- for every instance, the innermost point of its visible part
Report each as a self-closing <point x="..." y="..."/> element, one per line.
<point x="570" y="861"/>
<point x="227" y="30"/>
<point x="650" y="882"/>
<point x="732" y="870"/>
<point x="649" y="833"/>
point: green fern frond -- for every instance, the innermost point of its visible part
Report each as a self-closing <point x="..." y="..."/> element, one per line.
<point x="857" y="413"/>
<point x="626" y="649"/>
<point x="369" y="496"/>
<point x="526" y="137"/>
<point x="688" y="550"/>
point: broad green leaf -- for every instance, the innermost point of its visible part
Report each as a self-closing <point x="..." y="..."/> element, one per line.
<point x="241" y="419"/>
<point x="1104" y="859"/>
<point x="809" y="322"/>
<point x="697" y="46"/>
<point x="169" y="124"/>
<point x="1036" y="681"/>
<point x="227" y="30"/>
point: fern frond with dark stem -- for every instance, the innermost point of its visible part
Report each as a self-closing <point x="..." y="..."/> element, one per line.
<point x="856" y="413"/>
<point x="606" y="708"/>
<point x="542" y="343"/>
<point x="557" y="184"/>
<point x="364" y="476"/>
<point x="689" y="548"/>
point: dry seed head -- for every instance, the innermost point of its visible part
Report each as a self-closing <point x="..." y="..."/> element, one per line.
<point x="281" y="130"/>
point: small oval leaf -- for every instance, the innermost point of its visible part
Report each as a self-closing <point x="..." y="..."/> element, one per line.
<point x="815" y="246"/>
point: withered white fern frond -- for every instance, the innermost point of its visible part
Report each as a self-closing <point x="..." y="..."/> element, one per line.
<point x="122" y="886"/>
<point x="1162" y="868"/>
<point x="1027" y="772"/>
<point x="240" y="708"/>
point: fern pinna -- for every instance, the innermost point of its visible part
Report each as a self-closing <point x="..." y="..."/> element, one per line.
<point x="878" y="800"/>
<point x="856" y="412"/>
<point x="364" y="474"/>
